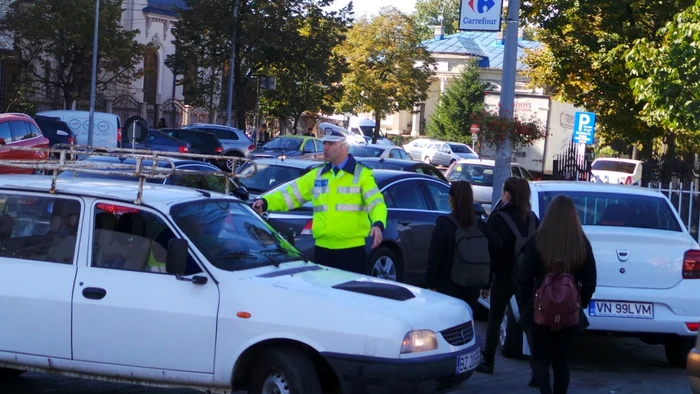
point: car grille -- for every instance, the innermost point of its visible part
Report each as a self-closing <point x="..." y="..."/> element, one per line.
<point x="459" y="335"/>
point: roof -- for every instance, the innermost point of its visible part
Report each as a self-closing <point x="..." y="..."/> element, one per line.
<point x="571" y="186"/>
<point x="164" y="7"/>
<point x="296" y="163"/>
<point x="481" y="44"/>
<point x="398" y="162"/>
<point x="158" y="195"/>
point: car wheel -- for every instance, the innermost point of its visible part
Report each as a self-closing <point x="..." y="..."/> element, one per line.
<point x="677" y="349"/>
<point x="229" y="163"/>
<point x="384" y="264"/>
<point x="284" y="371"/>
<point x="511" y="336"/>
<point x="8" y="373"/>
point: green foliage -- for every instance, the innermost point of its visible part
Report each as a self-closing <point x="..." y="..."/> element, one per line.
<point x="388" y="69"/>
<point x="451" y="119"/>
<point x="54" y="41"/>
<point x="666" y="76"/>
<point x="428" y="13"/>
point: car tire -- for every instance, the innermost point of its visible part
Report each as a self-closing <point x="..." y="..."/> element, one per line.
<point x="511" y="336"/>
<point x="9" y="373"/>
<point x="225" y="163"/>
<point x="284" y="370"/>
<point x="382" y="257"/>
<point x="677" y="349"/>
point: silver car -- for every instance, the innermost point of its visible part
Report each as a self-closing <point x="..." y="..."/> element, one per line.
<point x="480" y="174"/>
<point x="235" y="142"/>
<point x="380" y="151"/>
<point x="440" y="153"/>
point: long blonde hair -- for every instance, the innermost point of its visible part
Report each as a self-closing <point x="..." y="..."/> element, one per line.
<point x="560" y="236"/>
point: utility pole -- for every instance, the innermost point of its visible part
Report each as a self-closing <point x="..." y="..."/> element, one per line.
<point x="93" y="82"/>
<point x="232" y="66"/>
<point x="510" y="56"/>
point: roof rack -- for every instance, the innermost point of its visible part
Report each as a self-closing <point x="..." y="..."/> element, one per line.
<point x="64" y="157"/>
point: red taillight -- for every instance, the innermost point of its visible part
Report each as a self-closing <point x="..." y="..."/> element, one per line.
<point x="119" y="135"/>
<point x="115" y="208"/>
<point x="691" y="264"/>
<point x="693" y="326"/>
<point x="70" y="140"/>
<point x="628" y="181"/>
<point x="307" y="228"/>
<point x="219" y="149"/>
<point x="252" y="147"/>
<point x="184" y="149"/>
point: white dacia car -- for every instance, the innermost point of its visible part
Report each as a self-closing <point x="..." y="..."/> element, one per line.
<point x="170" y="286"/>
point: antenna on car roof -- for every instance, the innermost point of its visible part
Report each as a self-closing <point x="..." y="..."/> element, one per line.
<point x="68" y="154"/>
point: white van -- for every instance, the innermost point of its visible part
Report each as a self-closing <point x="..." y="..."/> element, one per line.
<point x="108" y="127"/>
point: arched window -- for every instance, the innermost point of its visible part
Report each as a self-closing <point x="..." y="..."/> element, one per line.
<point x="150" y="76"/>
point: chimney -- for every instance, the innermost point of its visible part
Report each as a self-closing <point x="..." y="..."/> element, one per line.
<point x="439" y="32"/>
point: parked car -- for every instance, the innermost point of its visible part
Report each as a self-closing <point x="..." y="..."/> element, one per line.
<point x="158" y="141"/>
<point x="445" y="153"/>
<point x="379" y="151"/>
<point x="235" y="141"/>
<point x="402" y="165"/>
<point x="20" y="130"/>
<point x="480" y="174"/>
<point x="271" y="173"/>
<point x="415" y="148"/>
<point x="693" y="367"/>
<point x="290" y="146"/>
<point x="612" y="170"/>
<point x="56" y="130"/>
<point x="380" y="141"/>
<point x="108" y="127"/>
<point x="200" y="142"/>
<point x="118" y="285"/>
<point x="647" y="262"/>
<point x="414" y="202"/>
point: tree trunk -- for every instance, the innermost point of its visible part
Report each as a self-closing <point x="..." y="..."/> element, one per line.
<point x="296" y="122"/>
<point x="377" y="122"/>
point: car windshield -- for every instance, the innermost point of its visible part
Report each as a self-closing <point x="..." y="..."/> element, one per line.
<point x="614" y="166"/>
<point x="267" y="176"/>
<point x="231" y="235"/>
<point x="365" y="151"/>
<point x="476" y="174"/>
<point x="369" y="131"/>
<point x="457" y="148"/>
<point x="284" y="144"/>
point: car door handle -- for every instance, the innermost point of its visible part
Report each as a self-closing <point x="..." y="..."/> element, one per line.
<point x="94" y="293"/>
<point x="404" y="222"/>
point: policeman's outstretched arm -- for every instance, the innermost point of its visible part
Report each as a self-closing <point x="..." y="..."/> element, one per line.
<point x="376" y="208"/>
<point x="294" y="195"/>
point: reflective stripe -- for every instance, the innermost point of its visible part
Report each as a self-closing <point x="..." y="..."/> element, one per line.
<point x="297" y="193"/>
<point x="349" y="190"/>
<point x="373" y="204"/>
<point x="350" y="207"/>
<point x="318" y="190"/>
<point x="368" y="194"/>
<point x="321" y="208"/>
<point x="288" y="199"/>
<point x="319" y="175"/>
<point x="358" y="172"/>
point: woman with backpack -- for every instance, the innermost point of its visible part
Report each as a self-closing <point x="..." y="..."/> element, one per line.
<point x="443" y="273"/>
<point x="557" y="282"/>
<point x="514" y="222"/>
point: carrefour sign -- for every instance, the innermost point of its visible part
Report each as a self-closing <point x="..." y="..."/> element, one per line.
<point x="480" y="15"/>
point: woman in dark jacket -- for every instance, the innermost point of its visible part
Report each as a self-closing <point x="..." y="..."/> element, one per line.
<point x="442" y="244"/>
<point x="516" y="209"/>
<point x="559" y="239"/>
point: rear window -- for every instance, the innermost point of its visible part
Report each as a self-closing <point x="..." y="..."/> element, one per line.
<point x="284" y="144"/>
<point x="267" y="176"/>
<point x="197" y="138"/>
<point x="614" y="166"/>
<point x="460" y="148"/>
<point x="365" y="151"/>
<point x="476" y="174"/>
<point x="619" y="210"/>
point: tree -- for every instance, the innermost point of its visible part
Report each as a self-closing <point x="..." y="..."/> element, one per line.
<point x="309" y="78"/>
<point x="451" y="119"/>
<point x="436" y="13"/>
<point x="584" y="42"/>
<point x="666" y="77"/>
<point x="54" y="38"/>
<point x="388" y="69"/>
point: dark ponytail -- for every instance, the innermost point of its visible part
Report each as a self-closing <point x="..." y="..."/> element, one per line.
<point x="519" y="189"/>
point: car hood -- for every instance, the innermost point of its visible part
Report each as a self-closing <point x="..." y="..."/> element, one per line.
<point x="420" y="308"/>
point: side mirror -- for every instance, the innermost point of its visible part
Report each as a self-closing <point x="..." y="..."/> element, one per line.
<point x="290" y="236"/>
<point x="176" y="256"/>
<point x="242" y="193"/>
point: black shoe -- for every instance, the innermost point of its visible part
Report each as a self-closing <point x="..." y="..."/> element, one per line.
<point x="483" y="367"/>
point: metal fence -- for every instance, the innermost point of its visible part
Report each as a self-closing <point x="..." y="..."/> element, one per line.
<point x="686" y="201"/>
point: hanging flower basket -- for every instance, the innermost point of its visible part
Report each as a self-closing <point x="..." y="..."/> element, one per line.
<point x="522" y="130"/>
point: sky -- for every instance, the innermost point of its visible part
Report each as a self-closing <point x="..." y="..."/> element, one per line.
<point x="362" y="7"/>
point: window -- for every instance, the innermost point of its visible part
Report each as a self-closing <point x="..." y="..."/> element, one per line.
<point x="39" y="228"/>
<point x="309" y="146"/>
<point x="33" y="131"/>
<point x="226" y="135"/>
<point x="614" y="166"/>
<point x="476" y="174"/>
<point x="440" y="193"/>
<point x="267" y="176"/>
<point x="284" y="144"/>
<point x="429" y="170"/>
<point x="365" y="151"/>
<point x="514" y="171"/>
<point x="5" y="132"/>
<point x="620" y="210"/>
<point x="131" y="239"/>
<point x="459" y="148"/>
<point x="406" y="195"/>
<point x="527" y="174"/>
<point x="319" y="145"/>
<point x="150" y="138"/>
<point x="395" y="154"/>
<point x="20" y="131"/>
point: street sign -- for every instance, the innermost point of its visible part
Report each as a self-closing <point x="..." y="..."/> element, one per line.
<point x="480" y="15"/>
<point x="474" y="128"/>
<point x="584" y="128"/>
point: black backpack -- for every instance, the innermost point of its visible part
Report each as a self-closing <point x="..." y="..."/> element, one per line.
<point x="471" y="264"/>
<point x="520" y="241"/>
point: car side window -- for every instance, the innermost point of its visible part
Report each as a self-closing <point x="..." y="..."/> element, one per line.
<point x="440" y="193"/>
<point x="394" y="154"/>
<point x="403" y="155"/>
<point x="194" y="181"/>
<point x="39" y="228"/>
<point x="20" y="131"/>
<point x="5" y="132"/>
<point x="527" y="174"/>
<point x="514" y="171"/>
<point x="131" y="239"/>
<point x="319" y="146"/>
<point x="309" y="146"/>
<point x="226" y="135"/>
<point x="407" y="196"/>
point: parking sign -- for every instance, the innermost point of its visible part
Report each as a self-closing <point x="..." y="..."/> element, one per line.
<point x="584" y="127"/>
<point x="480" y="15"/>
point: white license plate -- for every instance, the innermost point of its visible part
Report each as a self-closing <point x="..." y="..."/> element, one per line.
<point x="634" y="310"/>
<point x="467" y="362"/>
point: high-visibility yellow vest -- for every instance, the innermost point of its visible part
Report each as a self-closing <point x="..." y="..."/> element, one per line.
<point x="345" y="206"/>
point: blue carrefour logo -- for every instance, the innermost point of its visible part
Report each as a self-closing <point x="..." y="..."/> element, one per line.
<point x="481" y="5"/>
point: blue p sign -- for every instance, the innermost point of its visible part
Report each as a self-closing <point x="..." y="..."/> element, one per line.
<point x="584" y="127"/>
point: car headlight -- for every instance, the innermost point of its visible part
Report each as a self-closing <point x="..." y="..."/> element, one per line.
<point x="419" y="341"/>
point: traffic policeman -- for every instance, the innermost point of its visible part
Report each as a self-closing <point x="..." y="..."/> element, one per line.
<point x="347" y="205"/>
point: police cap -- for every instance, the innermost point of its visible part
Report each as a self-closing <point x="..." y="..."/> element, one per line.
<point x="332" y="135"/>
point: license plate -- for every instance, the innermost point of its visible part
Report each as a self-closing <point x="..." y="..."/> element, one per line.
<point x="633" y="310"/>
<point x="467" y="362"/>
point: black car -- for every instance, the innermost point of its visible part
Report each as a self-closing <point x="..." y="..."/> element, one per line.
<point x="414" y="203"/>
<point x="56" y="130"/>
<point x="402" y="165"/>
<point x="272" y="173"/>
<point x="155" y="140"/>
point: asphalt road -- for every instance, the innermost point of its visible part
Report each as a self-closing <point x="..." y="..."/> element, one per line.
<point x="599" y="366"/>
